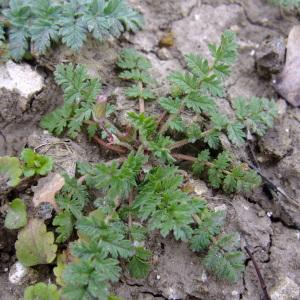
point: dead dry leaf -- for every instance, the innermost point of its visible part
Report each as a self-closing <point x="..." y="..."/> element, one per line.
<point x="47" y="188"/>
<point x="287" y="83"/>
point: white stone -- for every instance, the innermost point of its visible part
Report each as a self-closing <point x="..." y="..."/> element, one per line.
<point x="286" y="289"/>
<point x="17" y="273"/>
<point x="21" y="78"/>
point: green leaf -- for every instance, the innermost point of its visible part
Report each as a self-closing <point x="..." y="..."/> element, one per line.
<point x="197" y="65"/>
<point x="58" y="271"/>
<point x="236" y="134"/>
<point x="108" y="237"/>
<point x="137" y="92"/>
<point x="84" y="282"/>
<point x="42" y="291"/>
<point x="185" y="82"/>
<point x="35" y="245"/>
<point x="223" y="260"/>
<point x="73" y="196"/>
<point x="226" y="52"/>
<point x="200" y="103"/>
<point x="10" y="170"/>
<point x="171" y="105"/>
<point x="177" y="124"/>
<point x="210" y="226"/>
<point x="35" y="164"/>
<point x="145" y="125"/>
<point x="160" y="148"/>
<point x="19" y="15"/>
<point x="73" y="29"/>
<point x="202" y="159"/>
<point x="44" y="27"/>
<point x="164" y="205"/>
<point x="57" y="121"/>
<point x="130" y="59"/>
<point x="257" y="115"/>
<point x="139" y="265"/>
<point x="16" y="216"/>
<point x="64" y="224"/>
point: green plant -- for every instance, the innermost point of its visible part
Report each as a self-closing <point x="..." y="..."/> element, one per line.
<point x="38" y="24"/>
<point x="134" y="68"/>
<point x="42" y="291"/>
<point x="144" y="190"/>
<point x="30" y="164"/>
<point x="286" y="3"/>
<point x="16" y="216"/>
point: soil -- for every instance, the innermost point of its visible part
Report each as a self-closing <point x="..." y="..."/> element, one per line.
<point x="269" y="224"/>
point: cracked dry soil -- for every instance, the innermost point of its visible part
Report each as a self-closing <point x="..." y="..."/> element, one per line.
<point x="268" y="224"/>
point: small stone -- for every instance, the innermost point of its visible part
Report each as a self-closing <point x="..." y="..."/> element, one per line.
<point x="261" y="213"/>
<point x="281" y="107"/>
<point x="286" y="289"/>
<point x="164" y="54"/>
<point x="17" y="274"/>
<point x="200" y="187"/>
<point x="222" y="207"/>
<point x="270" y="56"/>
<point x="235" y="28"/>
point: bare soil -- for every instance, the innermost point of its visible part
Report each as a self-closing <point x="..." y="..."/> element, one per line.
<point x="268" y="224"/>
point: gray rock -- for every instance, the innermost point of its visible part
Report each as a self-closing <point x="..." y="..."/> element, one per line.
<point x="287" y="83"/>
<point x="270" y="56"/>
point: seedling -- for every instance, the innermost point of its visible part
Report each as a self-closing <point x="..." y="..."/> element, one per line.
<point x="144" y="189"/>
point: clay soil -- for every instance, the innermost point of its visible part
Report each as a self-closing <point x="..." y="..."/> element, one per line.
<point x="268" y="224"/>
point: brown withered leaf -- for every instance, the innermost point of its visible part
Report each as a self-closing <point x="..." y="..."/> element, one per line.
<point x="287" y="83"/>
<point x="47" y="188"/>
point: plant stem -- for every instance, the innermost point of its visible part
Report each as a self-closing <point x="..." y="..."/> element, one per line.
<point x="194" y="159"/>
<point x="130" y="199"/>
<point x="184" y="157"/>
<point x="184" y="142"/>
<point x="260" y="278"/>
<point x="162" y="118"/>
<point x="114" y="148"/>
<point x="179" y="144"/>
<point x="141" y="100"/>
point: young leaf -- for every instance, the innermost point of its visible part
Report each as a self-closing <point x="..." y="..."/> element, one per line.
<point x="171" y="105"/>
<point x="10" y="170"/>
<point x="16" y="216"/>
<point x="72" y="197"/>
<point x="223" y="260"/>
<point x="210" y="226"/>
<point x="35" y="164"/>
<point x="257" y="114"/>
<point x="139" y="265"/>
<point x="42" y="291"/>
<point x="107" y="236"/>
<point x="35" y="245"/>
<point x="64" y="223"/>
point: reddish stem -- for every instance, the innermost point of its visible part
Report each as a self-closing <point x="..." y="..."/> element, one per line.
<point x="260" y="278"/>
<point x="162" y="118"/>
<point x="114" y="148"/>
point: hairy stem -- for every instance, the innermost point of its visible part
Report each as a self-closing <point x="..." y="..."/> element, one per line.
<point x="141" y="100"/>
<point x="194" y="159"/>
<point x="184" y="142"/>
<point x="114" y="148"/>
